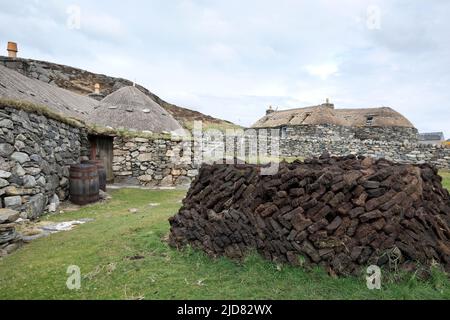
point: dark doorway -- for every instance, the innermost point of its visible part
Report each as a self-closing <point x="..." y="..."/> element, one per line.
<point x="102" y="148"/>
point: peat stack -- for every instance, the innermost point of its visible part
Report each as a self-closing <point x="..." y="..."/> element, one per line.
<point x="341" y="213"/>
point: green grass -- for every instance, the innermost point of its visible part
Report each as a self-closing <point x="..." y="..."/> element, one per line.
<point x="40" y="110"/>
<point x="446" y="178"/>
<point x="102" y="249"/>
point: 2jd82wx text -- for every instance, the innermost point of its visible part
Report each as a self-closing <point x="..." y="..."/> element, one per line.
<point x="226" y="310"/>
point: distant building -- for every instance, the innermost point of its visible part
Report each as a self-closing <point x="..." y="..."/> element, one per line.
<point x="327" y="114"/>
<point x="431" y="138"/>
<point x="311" y="130"/>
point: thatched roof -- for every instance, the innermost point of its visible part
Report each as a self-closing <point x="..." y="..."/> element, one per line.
<point x="131" y="109"/>
<point x="15" y="86"/>
<point x="126" y="108"/>
<point x="326" y="114"/>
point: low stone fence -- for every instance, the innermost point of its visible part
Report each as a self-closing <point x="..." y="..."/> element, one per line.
<point x="406" y="152"/>
<point x="161" y="162"/>
<point x="36" y="152"/>
<point x="392" y="143"/>
<point x="152" y="162"/>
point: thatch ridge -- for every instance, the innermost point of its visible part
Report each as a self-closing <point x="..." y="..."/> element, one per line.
<point x="16" y="86"/>
<point x="130" y="108"/>
<point x="324" y="114"/>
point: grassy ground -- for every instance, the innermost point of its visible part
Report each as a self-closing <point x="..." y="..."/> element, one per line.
<point x="124" y="256"/>
<point x="446" y="179"/>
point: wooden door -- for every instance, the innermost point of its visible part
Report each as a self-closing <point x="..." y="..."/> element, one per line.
<point x="102" y="147"/>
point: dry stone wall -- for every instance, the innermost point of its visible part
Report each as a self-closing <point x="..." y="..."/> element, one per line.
<point x="149" y="161"/>
<point x="35" y="155"/>
<point x="152" y="162"/>
<point x="395" y="144"/>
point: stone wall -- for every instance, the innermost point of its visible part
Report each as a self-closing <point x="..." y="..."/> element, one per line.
<point x="396" y="144"/>
<point x="152" y="162"/>
<point x="36" y="152"/>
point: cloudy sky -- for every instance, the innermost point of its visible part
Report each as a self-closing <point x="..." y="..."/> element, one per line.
<point x="232" y="59"/>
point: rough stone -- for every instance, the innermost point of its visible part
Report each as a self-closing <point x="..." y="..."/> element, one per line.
<point x="41" y="181"/>
<point x="4" y="174"/>
<point x="20" y="157"/>
<point x="36" y="206"/>
<point x="166" y="181"/>
<point x="3" y="183"/>
<point x="13" y="202"/>
<point x="145" y="178"/>
<point x="54" y="203"/>
<point x="6" y="123"/>
<point x="19" y="171"/>
<point x="6" y="149"/>
<point x="8" y="215"/>
<point x="145" y="157"/>
<point x="29" y="182"/>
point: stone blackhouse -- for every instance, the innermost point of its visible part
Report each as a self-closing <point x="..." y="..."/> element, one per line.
<point x="44" y="129"/>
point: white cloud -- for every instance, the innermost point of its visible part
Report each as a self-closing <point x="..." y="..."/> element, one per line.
<point x="102" y="25"/>
<point x="221" y="52"/>
<point x="323" y="71"/>
<point x="231" y="59"/>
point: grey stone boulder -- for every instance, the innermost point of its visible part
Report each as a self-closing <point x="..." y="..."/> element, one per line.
<point x="17" y="191"/>
<point x="29" y="182"/>
<point x="8" y="215"/>
<point x="183" y="181"/>
<point x="7" y="234"/>
<point x="54" y="203"/>
<point x="13" y="202"/>
<point x="36" y="206"/>
<point x="52" y="183"/>
<point x="3" y="183"/>
<point x="19" y="171"/>
<point x="20" y="157"/>
<point x="6" y="149"/>
<point x="7" y="137"/>
<point x="166" y="181"/>
<point x="4" y="174"/>
<point x="33" y="171"/>
<point x="6" y="123"/>
<point x="36" y="158"/>
<point x="64" y="182"/>
<point x="192" y="173"/>
<point x="41" y="181"/>
<point x="19" y="145"/>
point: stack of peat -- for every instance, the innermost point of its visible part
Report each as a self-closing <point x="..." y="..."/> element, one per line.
<point x="340" y="213"/>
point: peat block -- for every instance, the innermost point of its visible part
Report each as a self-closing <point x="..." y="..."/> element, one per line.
<point x="343" y="213"/>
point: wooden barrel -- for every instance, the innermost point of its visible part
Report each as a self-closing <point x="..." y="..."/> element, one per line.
<point x="84" y="184"/>
<point x="101" y="172"/>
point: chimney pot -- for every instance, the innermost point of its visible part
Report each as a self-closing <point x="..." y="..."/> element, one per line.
<point x="328" y="104"/>
<point x="12" y="49"/>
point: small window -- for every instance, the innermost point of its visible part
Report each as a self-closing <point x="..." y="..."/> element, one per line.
<point x="283" y="132"/>
<point x="369" y="121"/>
